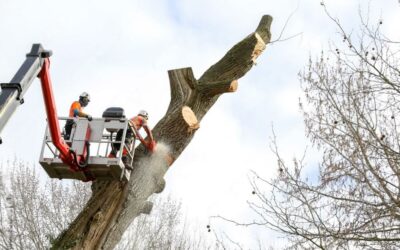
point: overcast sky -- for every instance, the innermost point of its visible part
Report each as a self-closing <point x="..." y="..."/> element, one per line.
<point x="120" y="51"/>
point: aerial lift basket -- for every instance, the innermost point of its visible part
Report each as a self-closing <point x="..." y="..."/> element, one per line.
<point x="99" y="165"/>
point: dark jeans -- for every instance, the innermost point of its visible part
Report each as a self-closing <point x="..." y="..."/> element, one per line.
<point x="68" y="129"/>
<point x="128" y="140"/>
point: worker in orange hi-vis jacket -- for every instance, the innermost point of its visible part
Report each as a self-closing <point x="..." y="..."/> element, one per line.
<point x="139" y="121"/>
<point x="76" y="110"/>
<point x="135" y="124"/>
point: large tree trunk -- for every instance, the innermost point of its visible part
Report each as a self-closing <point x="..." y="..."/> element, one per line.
<point x="114" y="205"/>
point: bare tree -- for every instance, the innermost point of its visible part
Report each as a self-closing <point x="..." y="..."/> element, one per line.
<point x="351" y="112"/>
<point x="114" y="205"/>
<point x="165" y="228"/>
<point x="33" y="214"/>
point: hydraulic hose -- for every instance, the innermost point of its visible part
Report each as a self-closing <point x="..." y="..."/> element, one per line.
<point x="77" y="163"/>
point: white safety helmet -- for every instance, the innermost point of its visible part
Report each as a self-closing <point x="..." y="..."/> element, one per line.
<point x="84" y="98"/>
<point x="85" y="95"/>
<point x="144" y="114"/>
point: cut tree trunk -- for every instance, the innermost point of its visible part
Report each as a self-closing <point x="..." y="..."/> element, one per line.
<point x="114" y="205"/>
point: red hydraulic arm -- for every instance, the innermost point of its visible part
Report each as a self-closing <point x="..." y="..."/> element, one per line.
<point x="52" y="117"/>
<point x="66" y="154"/>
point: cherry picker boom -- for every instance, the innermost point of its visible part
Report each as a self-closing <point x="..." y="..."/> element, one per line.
<point x="12" y="93"/>
<point x="70" y="158"/>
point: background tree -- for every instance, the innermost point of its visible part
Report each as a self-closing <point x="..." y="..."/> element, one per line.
<point x="33" y="214"/>
<point x="165" y="228"/>
<point x="351" y="113"/>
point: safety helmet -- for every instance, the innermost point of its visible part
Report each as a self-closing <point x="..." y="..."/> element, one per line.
<point x="84" y="99"/>
<point x="144" y="114"/>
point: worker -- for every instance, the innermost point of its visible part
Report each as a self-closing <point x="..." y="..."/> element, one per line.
<point x="135" y="124"/>
<point x="76" y="111"/>
<point x="140" y="121"/>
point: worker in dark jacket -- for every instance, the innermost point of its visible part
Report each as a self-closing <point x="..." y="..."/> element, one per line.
<point x="76" y="110"/>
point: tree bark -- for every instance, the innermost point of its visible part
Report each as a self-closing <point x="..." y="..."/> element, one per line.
<point x="114" y="205"/>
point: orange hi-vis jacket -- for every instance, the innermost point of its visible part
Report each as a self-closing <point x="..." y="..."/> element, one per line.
<point x="75" y="109"/>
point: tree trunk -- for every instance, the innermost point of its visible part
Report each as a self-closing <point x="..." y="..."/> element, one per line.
<point x="114" y="205"/>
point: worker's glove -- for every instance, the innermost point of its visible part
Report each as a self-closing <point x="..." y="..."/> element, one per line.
<point x="89" y="117"/>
